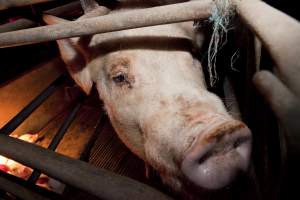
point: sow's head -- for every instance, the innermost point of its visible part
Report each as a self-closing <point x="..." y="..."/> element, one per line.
<point x="156" y="98"/>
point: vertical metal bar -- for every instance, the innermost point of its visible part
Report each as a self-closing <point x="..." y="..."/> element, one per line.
<point x="61" y="132"/>
<point x="99" y="127"/>
<point x="34" y="104"/>
<point x="58" y="136"/>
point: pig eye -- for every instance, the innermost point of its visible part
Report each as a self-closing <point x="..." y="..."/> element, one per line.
<point x="120" y="78"/>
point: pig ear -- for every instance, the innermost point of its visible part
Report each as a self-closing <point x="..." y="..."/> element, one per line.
<point x="73" y="57"/>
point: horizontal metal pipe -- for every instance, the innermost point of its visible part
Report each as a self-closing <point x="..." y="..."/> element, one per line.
<point x="58" y="136"/>
<point x="96" y="181"/>
<point x="34" y="104"/>
<point x="174" y="13"/>
<point x="4" y="4"/>
<point x="17" y="25"/>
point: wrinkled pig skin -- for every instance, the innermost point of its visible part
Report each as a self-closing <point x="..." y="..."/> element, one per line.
<point x="156" y="98"/>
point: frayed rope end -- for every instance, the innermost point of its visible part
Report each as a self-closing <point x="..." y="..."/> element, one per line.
<point x="222" y="13"/>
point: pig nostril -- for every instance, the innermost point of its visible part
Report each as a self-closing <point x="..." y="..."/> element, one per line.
<point x="205" y="157"/>
<point x="214" y="165"/>
<point x="236" y="144"/>
<point x="239" y="142"/>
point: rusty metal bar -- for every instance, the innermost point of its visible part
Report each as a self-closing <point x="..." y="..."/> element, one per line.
<point x="17" y="25"/>
<point x="113" y="22"/>
<point x="58" y="136"/>
<point x="34" y="104"/>
<point x="96" y="181"/>
<point x="5" y="4"/>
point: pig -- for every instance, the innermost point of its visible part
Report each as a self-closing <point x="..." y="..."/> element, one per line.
<point x="155" y="95"/>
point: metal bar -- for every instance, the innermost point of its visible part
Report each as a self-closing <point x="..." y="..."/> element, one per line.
<point x="17" y="25"/>
<point x="96" y="181"/>
<point x="113" y="22"/>
<point x="58" y="136"/>
<point x="281" y="91"/>
<point x="231" y="99"/>
<point x="99" y="127"/>
<point x="18" y="3"/>
<point x="89" y="5"/>
<point x="284" y="36"/>
<point x="23" y="190"/>
<point x="34" y="104"/>
<point x="72" y="8"/>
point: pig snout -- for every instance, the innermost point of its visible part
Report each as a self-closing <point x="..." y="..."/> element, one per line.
<point x="216" y="157"/>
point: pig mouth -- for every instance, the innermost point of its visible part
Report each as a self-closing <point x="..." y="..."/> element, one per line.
<point x="218" y="155"/>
